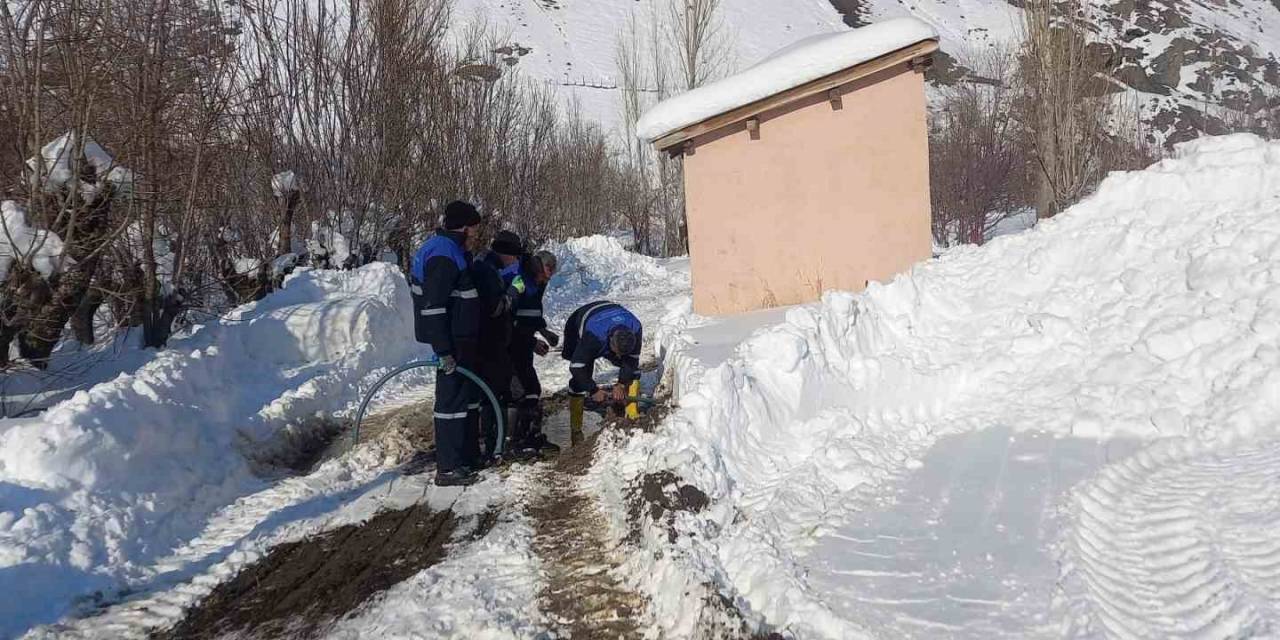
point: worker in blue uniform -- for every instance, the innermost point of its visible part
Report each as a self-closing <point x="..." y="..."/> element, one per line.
<point x="602" y="330"/>
<point x="531" y="336"/>
<point x="446" y="316"/>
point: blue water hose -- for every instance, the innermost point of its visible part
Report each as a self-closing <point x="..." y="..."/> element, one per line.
<point x="434" y="363"/>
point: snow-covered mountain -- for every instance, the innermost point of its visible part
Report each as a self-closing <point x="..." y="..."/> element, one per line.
<point x="1193" y="63"/>
<point x="572" y="44"/>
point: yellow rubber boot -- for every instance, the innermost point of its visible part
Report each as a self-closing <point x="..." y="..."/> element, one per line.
<point x="633" y="407"/>
<point x="575" y="419"/>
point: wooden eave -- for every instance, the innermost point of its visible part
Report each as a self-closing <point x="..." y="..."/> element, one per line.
<point x="917" y="53"/>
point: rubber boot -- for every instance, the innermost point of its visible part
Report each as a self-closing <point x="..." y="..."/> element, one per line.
<point x="576" y="407"/>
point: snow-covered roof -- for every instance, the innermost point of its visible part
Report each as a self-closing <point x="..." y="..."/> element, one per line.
<point x="792" y="66"/>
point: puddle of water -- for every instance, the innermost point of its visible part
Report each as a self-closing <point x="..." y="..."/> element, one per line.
<point x="556" y="426"/>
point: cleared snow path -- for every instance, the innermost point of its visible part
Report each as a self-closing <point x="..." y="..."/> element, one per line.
<point x="581" y="595"/>
<point x="962" y="546"/>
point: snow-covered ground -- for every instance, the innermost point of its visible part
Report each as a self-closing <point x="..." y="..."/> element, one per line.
<point x="137" y="496"/>
<point x="1069" y="431"/>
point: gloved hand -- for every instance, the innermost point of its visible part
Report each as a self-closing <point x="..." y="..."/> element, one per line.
<point x="448" y="364"/>
<point x="619" y="393"/>
<point x="599" y="396"/>
<point x="551" y="338"/>
<point x="541" y="348"/>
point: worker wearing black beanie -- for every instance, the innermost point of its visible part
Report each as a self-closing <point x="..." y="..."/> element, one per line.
<point x="459" y="214"/>
<point x="507" y="244"/>
<point x="446" y="315"/>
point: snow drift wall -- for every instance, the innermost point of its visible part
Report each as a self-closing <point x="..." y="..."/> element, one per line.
<point x="122" y="472"/>
<point x="1152" y="310"/>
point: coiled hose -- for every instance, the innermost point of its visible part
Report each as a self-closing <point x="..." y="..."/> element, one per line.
<point x="434" y="363"/>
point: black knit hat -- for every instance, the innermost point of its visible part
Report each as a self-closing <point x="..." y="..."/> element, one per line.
<point x="622" y="341"/>
<point x="507" y="244"/>
<point x="459" y="214"/>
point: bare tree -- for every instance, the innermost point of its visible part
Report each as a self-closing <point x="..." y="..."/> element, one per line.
<point x="688" y="36"/>
<point x="697" y="37"/>
<point x="978" y="159"/>
<point x="1067" y="101"/>
<point x="379" y="119"/>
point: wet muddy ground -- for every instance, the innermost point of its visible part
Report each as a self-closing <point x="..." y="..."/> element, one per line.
<point x="301" y="587"/>
<point x="581" y="595"/>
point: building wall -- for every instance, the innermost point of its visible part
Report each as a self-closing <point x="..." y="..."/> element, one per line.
<point x="824" y="199"/>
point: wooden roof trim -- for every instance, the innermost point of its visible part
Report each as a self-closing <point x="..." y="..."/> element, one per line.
<point x="821" y="85"/>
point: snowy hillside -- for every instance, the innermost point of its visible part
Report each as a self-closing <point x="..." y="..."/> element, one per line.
<point x="1069" y="431"/>
<point x="1186" y="58"/>
<point x="572" y="44"/>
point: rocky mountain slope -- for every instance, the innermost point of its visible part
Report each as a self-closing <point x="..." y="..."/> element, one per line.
<point x="1195" y="65"/>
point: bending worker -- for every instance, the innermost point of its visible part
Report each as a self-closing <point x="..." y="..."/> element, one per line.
<point x="602" y="330"/>
<point x="446" y="316"/>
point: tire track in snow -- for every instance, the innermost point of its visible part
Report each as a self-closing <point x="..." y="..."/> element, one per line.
<point x="1179" y="540"/>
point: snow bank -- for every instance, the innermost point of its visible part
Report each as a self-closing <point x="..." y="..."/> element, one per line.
<point x="123" y="472"/>
<point x="597" y="267"/>
<point x="1151" y="310"/>
<point x="600" y="268"/>
<point x="804" y="61"/>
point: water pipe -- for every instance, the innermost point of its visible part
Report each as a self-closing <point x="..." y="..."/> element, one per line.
<point x="434" y="363"/>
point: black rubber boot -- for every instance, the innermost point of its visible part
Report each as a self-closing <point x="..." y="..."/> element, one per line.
<point x="456" y="478"/>
<point x="544" y="446"/>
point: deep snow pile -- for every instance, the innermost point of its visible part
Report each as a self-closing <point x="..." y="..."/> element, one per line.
<point x="1149" y="311"/>
<point x="120" y="474"/>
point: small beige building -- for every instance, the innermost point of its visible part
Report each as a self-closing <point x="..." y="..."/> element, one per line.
<point x="807" y="172"/>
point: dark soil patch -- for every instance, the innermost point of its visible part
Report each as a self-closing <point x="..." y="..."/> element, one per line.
<point x="720" y="619"/>
<point x="658" y="497"/>
<point x="297" y="448"/>
<point x="300" y="588"/>
<point x="660" y="494"/>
